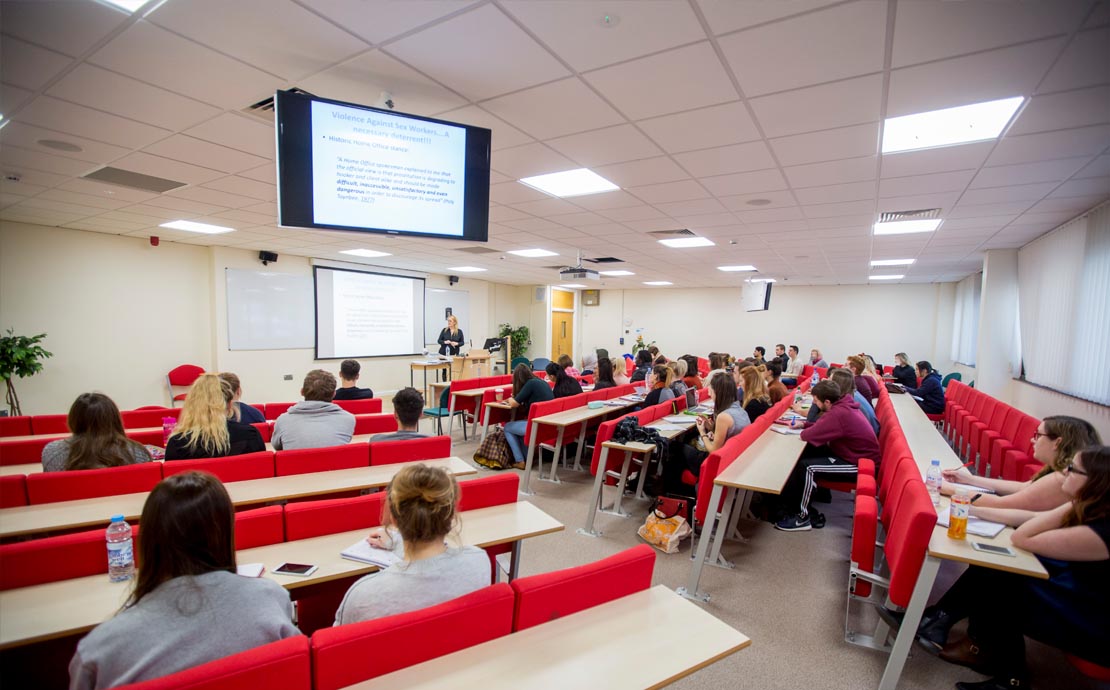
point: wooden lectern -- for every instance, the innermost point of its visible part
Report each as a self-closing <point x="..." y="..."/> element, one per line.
<point x="474" y="364"/>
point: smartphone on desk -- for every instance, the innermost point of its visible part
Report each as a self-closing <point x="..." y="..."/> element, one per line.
<point x="296" y="569"/>
<point x="991" y="548"/>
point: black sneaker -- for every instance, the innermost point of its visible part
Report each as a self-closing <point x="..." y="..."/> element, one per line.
<point x="816" y="518"/>
<point x="794" y="523"/>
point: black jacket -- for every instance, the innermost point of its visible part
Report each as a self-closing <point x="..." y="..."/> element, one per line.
<point x="931" y="394"/>
<point x="244" y="439"/>
<point x="905" y="375"/>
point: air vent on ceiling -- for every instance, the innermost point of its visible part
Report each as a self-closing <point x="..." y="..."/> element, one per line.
<point x="605" y="260"/>
<point x="264" y="109"/>
<point x="134" y="180"/>
<point x="673" y="233"/>
<point x="478" y="250"/>
<point x="921" y="214"/>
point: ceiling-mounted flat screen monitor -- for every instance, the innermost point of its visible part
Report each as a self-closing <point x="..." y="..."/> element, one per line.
<point x="343" y="166"/>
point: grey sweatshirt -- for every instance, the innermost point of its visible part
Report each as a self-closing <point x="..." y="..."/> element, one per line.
<point x="313" y="424"/>
<point x="185" y="622"/>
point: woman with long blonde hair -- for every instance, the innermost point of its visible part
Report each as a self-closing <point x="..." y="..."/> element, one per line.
<point x="207" y="427"/>
<point x="451" y="338"/>
<point x="757" y="399"/>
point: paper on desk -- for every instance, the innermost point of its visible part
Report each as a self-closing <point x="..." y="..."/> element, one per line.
<point x="796" y="431"/>
<point x="683" y="419"/>
<point x="362" y="551"/>
<point x="250" y="569"/>
<point x="976" y="526"/>
<point x="668" y="426"/>
<point x="970" y="489"/>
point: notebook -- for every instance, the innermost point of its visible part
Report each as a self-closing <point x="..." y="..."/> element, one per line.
<point x="786" y="430"/>
<point x="980" y="528"/>
<point x="364" y="553"/>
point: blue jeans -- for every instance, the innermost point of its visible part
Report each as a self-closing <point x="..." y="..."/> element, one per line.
<point x="514" y="434"/>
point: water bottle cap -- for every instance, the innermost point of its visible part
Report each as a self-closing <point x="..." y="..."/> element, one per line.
<point x="935" y="461"/>
<point x="117" y="518"/>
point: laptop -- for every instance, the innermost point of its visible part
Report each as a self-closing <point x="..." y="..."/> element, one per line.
<point x="691" y="398"/>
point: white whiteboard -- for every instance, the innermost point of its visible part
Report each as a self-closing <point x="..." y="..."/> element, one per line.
<point x="269" y="311"/>
<point x="436" y="303"/>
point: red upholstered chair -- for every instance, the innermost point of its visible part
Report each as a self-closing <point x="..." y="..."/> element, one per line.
<point x="183" y="376"/>
<point x="284" y="664"/>
<point x="236" y="468"/>
<point x="1006" y="434"/>
<point x="309" y="460"/>
<point x="545" y="597"/>
<point x="364" y="406"/>
<point x="330" y="516"/>
<point x="49" y="487"/>
<point x="1021" y="444"/>
<point x="1027" y="470"/>
<point x="496" y="416"/>
<point x="49" y="424"/>
<point x="865" y="525"/>
<point x="348" y="654"/>
<point x="52" y="559"/>
<point x="375" y="424"/>
<point x="389" y="452"/>
<point x="147" y="418"/>
<point x="484" y="492"/>
<point x="13" y="491"/>
<point x="22" y="452"/>
<point x="265" y="429"/>
<point x="152" y="437"/>
<point x="15" y="426"/>
<point x="275" y="410"/>
<point x="259" y="527"/>
<point x="1089" y="668"/>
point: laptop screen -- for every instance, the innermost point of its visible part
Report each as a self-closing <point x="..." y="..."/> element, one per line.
<point x="691" y="398"/>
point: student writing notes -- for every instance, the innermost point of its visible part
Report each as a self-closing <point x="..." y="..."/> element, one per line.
<point x="420" y="512"/>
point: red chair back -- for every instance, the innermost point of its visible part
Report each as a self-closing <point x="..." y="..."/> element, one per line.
<point x="52" y="559"/>
<point x="484" y="492"/>
<point x="865" y="526"/>
<point x="259" y="527"/>
<point x="389" y="452"/>
<point x="15" y="426"/>
<point x="331" y="516"/>
<point x="13" y="491"/>
<point x="545" y="597"/>
<point x="348" y="654"/>
<point x="307" y="460"/>
<point x="908" y="540"/>
<point x="275" y="410"/>
<point x="22" y="452"/>
<point x="283" y="664"/>
<point x="50" y="487"/>
<point x="236" y="468"/>
<point x="184" y="375"/>
<point x="265" y="430"/>
<point x="146" y="418"/>
<point x="374" y="424"/>
<point x="49" y="424"/>
<point x="364" y="406"/>
<point x="153" y="437"/>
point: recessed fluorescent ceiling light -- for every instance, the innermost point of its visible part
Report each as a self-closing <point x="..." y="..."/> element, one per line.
<point x="129" y="5"/>
<point x="570" y="183"/>
<point x="365" y="253"/>
<point x="658" y="282"/>
<point x="572" y="285"/>
<point x="960" y="125"/>
<point x="616" y="273"/>
<point x="905" y="227"/>
<point x="190" y="226"/>
<point x="532" y="253"/>
<point x="892" y="262"/>
<point x="466" y="269"/>
<point x="684" y="242"/>
<point x="897" y="277"/>
<point x="735" y="269"/>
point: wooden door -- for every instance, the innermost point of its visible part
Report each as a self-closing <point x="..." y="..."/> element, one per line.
<point x="562" y="333"/>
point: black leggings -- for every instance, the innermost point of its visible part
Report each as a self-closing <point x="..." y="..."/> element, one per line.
<point x="681" y="457"/>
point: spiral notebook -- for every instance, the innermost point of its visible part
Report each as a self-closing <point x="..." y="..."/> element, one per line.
<point x="362" y="551"/>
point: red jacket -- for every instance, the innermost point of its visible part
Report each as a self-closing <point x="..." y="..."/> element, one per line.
<point x="845" y="431"/>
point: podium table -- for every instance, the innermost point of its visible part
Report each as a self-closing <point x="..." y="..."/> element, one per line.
<point x="474" y="364"/>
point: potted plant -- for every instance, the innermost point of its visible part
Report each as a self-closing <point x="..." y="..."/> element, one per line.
<point x="20" y="356"/>
<point x="519" y="338"/>
<point x="640" y="345"/>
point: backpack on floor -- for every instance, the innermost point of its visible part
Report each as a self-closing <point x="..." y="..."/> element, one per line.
<point x="494" y="452"/>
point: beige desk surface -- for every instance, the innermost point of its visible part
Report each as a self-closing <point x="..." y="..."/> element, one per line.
<point x="765" y="465"/>
<point x="645" y="640"/>
<point x="578" y="414"/>
<point x="42" y="612"/>
<point x="97" y="511"/>
<point x="479" y="392"/>
<point x="637" y="447"/>
<point x="923" y="438"/>
<point x="445" y="364"/>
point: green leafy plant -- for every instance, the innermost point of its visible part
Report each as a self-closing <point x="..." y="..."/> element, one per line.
<point x="640" y="345"/>
<point x="519" y="337"/>
<point x="20" y="356"/>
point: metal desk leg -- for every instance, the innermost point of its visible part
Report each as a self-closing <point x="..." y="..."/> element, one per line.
<point x="450" y="412"/>
<point x="554" y="478"/>
<point x="724" y="524"/>
<point x="690" y="591"/>
<point x="616" y="509"/>
<point x="526" y="487"/>
<point x="595" y="501"/>
<point x="581" y="445"/>
<point x="644" y="474"/>
<point x="908" y="629"/>
<point x="514" y="563"/>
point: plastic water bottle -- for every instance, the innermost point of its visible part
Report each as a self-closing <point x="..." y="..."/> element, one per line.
<point x="815" y="379"/>
<point x="121" y="552"/>
<point x="797" y="397"/>
<point x="932" y="481"/>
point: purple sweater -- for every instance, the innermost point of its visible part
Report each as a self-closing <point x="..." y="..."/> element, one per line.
<point x="845" y="431"/>
<point x="868" y="386"/>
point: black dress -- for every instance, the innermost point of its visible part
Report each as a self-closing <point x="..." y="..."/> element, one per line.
<point x="444" y="336"/>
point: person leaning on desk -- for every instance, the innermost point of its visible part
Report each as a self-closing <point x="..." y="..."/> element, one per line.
<point x="451" y="337"/>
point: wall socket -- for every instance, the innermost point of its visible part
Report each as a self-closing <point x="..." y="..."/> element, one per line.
<point x="287" y="377"/>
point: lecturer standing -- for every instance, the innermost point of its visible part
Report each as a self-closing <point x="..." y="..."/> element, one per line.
<point x="450" y="338"/>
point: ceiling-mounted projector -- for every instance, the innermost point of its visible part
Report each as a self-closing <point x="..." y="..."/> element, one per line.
<point x="578" y="273"/>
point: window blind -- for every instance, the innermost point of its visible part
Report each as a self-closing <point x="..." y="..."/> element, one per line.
<point x="965" y="325"/>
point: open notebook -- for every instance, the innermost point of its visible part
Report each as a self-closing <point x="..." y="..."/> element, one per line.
<point x="362" y="551"/>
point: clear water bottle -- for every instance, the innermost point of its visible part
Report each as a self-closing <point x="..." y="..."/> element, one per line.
<point x="815" y="379"/>
<point x="121" y="552"/>
<point x="932" y="481"/>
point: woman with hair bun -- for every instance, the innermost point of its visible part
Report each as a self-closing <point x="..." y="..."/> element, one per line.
<point x="420" y="511"/>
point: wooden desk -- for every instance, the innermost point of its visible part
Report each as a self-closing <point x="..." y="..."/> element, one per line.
<point x="619" y="644"/>
<point x="43" y="612"/>
<point x="926" y="443"/>
<point x="424" y="365"/>
<point x="763" y="467"/>
<point x="94" y="512"/>
<point x="561" y="420"/>
<point x="495" y="405"/>
<point x="472" y="393"/>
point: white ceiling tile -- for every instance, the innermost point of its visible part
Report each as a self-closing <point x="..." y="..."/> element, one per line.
<point x="852" y="191"/>
<point x="839" y="104"/>
<point x="831" y="144"/>
<point x="672" y="88"/>
<point x="575" y="30"/>
<point x="845" y="225"/>
<point x="12" y="97"/>
<point x="16" y="159"/>
<point x="582" y="219"/>
<point x="186" y="206"/>
<point x="1011" y="208"/>
<point x="61" y="116"/>
<point x="925" y="184"/>
<point x="784" y="213"/>
<point x="164" y="167"/>
<point x="27" y="136"/>
<point x="803" y="51"/>
<point x="670" y="191"/>
<point x="537" y="225"/>
<point x="362" y="80"/>
<point x="546" y="207"/>
<point x="529" y="160"/>
<point x="844" y="208"/>
<point x="943" y="201"/>
<point x="156" y="56"/>
<point x="969" y="225"/>
<point x="972" y="79"/>
<point x="1084" y="187"/>
<point x="79" y="210"/>
<point x="514" y="192"/>
<point x="161" y="214"/>
<point x="245" y="217"/>
<point x="1084" y="63"/>
<point x="622" y="215"/>
<point x="268" y="208"/>
<point x="1060" y="110"/>
<point x="652" y="224"/>
<point x="556" y="109"/>
<point x="198" y="152"/>
<point x="266" y="173"/>
<point x="499" y="214"/>
<point x="832" y="172"/>
<point x="106" y="190"/>
<point x="745" y="183"/>
<point x="249" y="188"/>
<point x="29" y="66"/>
<point x="930" y="30"/>
<point x="609" y="145"/>
<point x="741" y="202"/>
<point x="693" y="207"/>
<point x="38" y="22"/>
<point x="729" y="15"/>
<point x="1099" y="167"/>
<point x="30" y="179"/>
<point x="378" y="20"/>
<point x="717" y="125"/>
<point x="237" y="131"/>
<point x="709" y="220"/>
<point x="490" y="55"/>
<point x="1085" y="141"/>
<point x="101" y="202"/>
<point x="642" y="172"/>
<point x="504" y="135"/>
<point x="967" y="157"/>
<point x="1075" y="204"/>
<point x="1025" y="173"/>
<point x="993" y="195"/>
<point x="727" y="159"/>
<point x="210" y="196"/>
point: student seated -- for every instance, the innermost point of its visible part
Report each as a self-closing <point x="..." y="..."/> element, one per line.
<point x="793" y="370"/>
<point x="930" y="392"/>
<point x="564" y="386"/>
<point x="728" y="420"/>
<point x="758" y="354"/>
<point x="847" y="383"/>
<point x="903" y="372"/>
<point x="207" y="427"/>
<point x="421" y="510"/>
<point x="643" y="366"/>
<point x="348" y="380"/>
<point x="815" y="359"/>
<point x="527" y="389"/>
<point x="98" y="439"/>
<point x="243" y="412"/>
<point x="316" y="422"/>
<point x="604" y="377"/>
<point x="620" y="371"/>
<point x="718" y="363"/>
<point x="756" y="400"/>
<point x="678" y="372"/>
<point x="837" y="440"/>
<point x="864" y="383"/>
<point x="781" y="357"/>
<point x="692" y="379"/>
<point x="568" y="366"/>
<point x="188" y="606"/>
<point x="589" y="363"/>
<point x="658" y="383"/>
<point x="408" y="407"/>
<point x="1070" y="610"/>
<point x="772" y="377"/>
